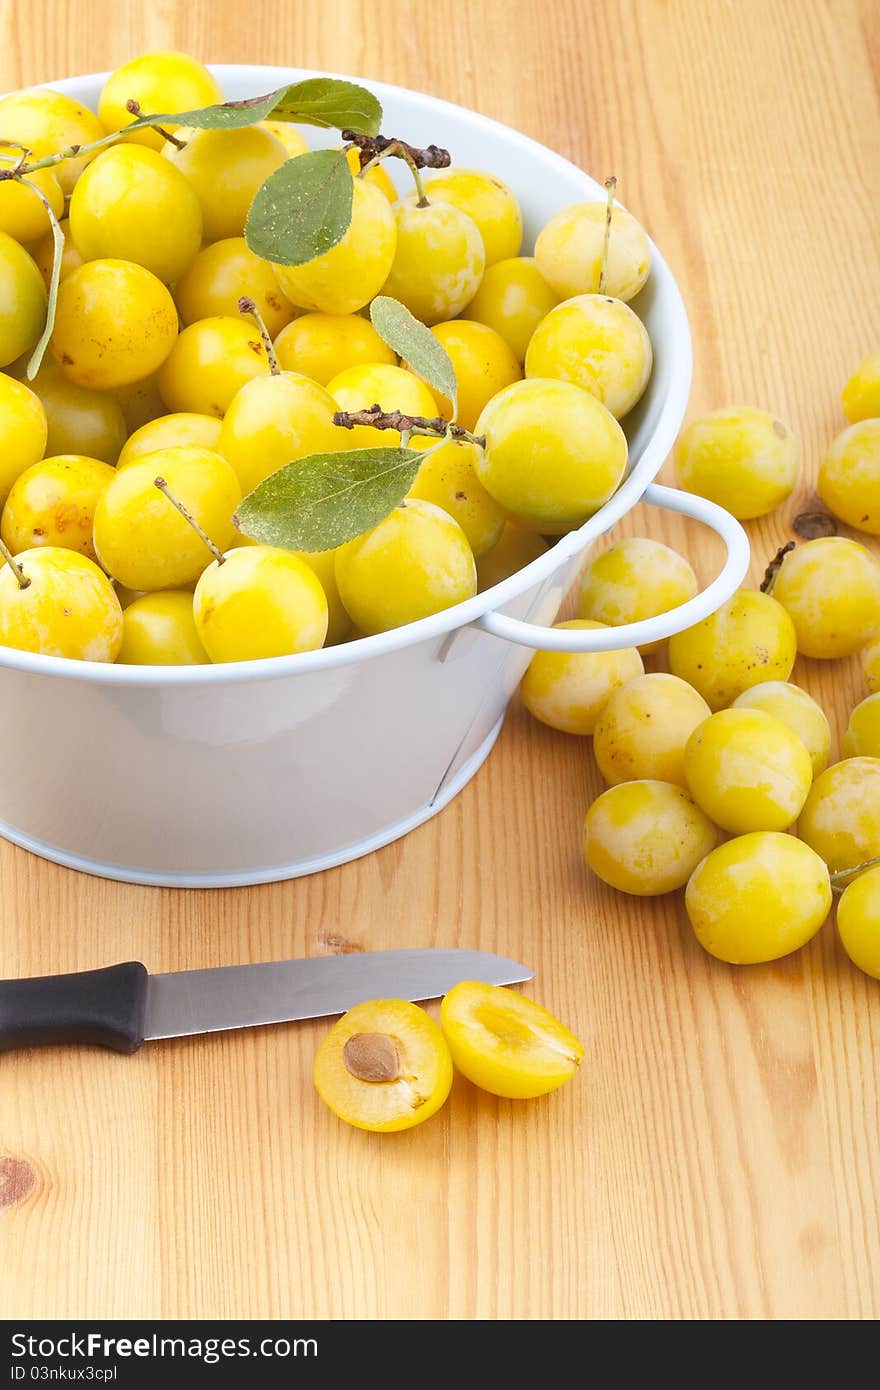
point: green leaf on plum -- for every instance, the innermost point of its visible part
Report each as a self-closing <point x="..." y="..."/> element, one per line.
<point x="320" y="502"/>
<point x="319" y="101"/>
<point x="330" y="103"/>
<point x="410" y="339"/>
<point x="302" y="210"/>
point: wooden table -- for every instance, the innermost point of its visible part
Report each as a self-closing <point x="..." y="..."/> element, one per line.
<point x="717" y="1156"/>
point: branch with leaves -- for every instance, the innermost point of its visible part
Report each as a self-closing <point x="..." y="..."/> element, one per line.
<point x="302" y="211"/>
<point x="320" y="502"/>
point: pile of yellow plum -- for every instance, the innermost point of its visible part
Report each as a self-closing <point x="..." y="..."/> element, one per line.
<point x="155" y="374"/>
<point x="711" y="762"/>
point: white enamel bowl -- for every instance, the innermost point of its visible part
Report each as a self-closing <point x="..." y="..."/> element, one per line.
<point x="225" y="775"/>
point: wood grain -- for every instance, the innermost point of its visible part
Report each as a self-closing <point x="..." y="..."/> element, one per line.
<point x="717" y="1157"/>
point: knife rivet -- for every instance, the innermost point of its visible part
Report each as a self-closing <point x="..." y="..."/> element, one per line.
<point x="372" y="1057"/>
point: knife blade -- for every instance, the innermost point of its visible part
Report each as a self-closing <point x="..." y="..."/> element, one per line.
<point x="122" y="1006"/>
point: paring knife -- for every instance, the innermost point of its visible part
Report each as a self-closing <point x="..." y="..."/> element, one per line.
<point x="123" y="1006"/>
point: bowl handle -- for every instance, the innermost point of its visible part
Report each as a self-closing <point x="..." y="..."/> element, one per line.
<point x="555" y="639"/>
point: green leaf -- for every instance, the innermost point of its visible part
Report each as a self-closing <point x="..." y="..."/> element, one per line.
<point x="318" y="101"/>
<point x="409" y="338"/>
<point x="228" y="115"/>
<point x="329" y="102"/>
<point x="302" y="210"/>
<point x="320" y="502"/>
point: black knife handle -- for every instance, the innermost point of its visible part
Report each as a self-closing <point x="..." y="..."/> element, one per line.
<point x="103" y="1007"/>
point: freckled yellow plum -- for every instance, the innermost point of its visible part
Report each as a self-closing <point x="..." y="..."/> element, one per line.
<point x="209" y="363"/>
<point x="350" y="274"/>
<point x="439" y="260"/>
<point x="384" y="1066"/>
<point x="798" y="710"/>
<point x="831" y="589"/>
<point x="646" y="837"/>
<point x="225" y="168"/>
<point x="170" y="431"/>
<point x="505" y="1043"/>
<point x="745" y="460"/>
<point x="23" y="431"/>
<point x="861" y="395"/>
<point x="160" y="630"/>
<point x="633" y="579"/>
<point x="749" y="640"/>
<point x="22" y="212"/>
<point x="858" y="921"/>
<point x="22" y="301"/>
<point x="514" y="549"/>
<point x="324" y="345"/>
<point x="68" y="608"/>
<point x="849" y="478"/>
<point x="116" y="323"/>
<point x="841" y="817"/>
<point x="273" y="420"/>
<point x="569" y="252"/>
<point x="259" y="602"/>
<point x="53" y="503"/>
<point x="393" y="388"/>
<point x="599" y="344"/>
<point x="80" y="421"/>
<point x="757" y="898"/>
<point x="47" y="122"/>
<point x="643" y="728"/>
<point x="163" y="82"/>
<point x="221" y="275"/>
<point x="414" y="563"/>
<point x="43" y="253"/>
<point x="142" y="540"/>
<point x="488" y="202"/>
<point x="483" y="363"/>
<point x="862" y="737"/>
<point x="553" y="453"/>
<point x="569" y="690"/>
<point x="448" y="479"/>
<point x="513" y="298"/>
<point x="747" y="770"/>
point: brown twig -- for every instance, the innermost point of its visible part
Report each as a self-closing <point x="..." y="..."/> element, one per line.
<point x="772" y="571"/>
<point x="373" y="146"/>
<point x="379" y="419"/>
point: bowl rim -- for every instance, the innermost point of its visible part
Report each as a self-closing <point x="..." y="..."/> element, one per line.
<point x="470" y="610"/>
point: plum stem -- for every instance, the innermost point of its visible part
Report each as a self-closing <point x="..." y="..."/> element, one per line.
<point x="837" y="879"/>
<point x="23" y="581"/>
<point x="611" y="189"/>
<point x="187" y="515"/>
<point x="246" y="305"/>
